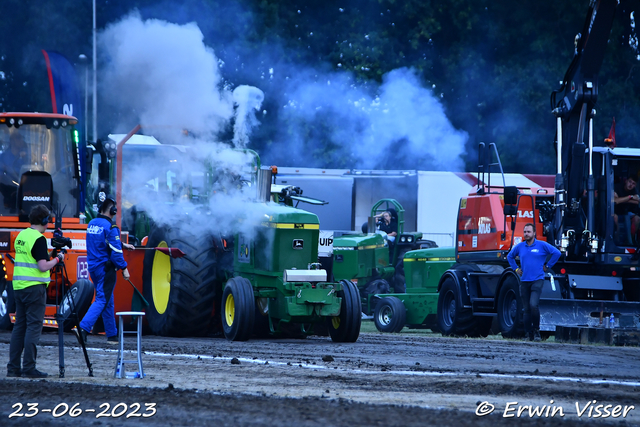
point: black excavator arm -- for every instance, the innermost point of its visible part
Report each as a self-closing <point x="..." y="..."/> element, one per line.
<point x="574" y="101"/>
<point x="573" y="227"/>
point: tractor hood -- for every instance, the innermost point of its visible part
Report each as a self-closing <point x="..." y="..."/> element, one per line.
<point x="296" y="218"/>
<point x="431" y="254"/>
<point x="358" y="241"/>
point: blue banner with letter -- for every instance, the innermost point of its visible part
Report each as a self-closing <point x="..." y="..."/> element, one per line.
<point x="66" y="99"/>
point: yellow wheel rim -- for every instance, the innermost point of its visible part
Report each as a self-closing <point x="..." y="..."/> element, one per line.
<point x="229" y="309"/>
<point x="335" y="322"/>
<point x="161" y="279"/>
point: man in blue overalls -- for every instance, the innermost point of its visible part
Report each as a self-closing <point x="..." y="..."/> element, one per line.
<point x="104" y="256"/>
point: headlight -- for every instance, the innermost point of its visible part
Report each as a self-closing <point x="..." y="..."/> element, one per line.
<point x="403" y="239"/>
<point x="410" y="239"/>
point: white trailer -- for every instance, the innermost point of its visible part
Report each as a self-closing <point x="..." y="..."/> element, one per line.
<point x="430" y="198"/>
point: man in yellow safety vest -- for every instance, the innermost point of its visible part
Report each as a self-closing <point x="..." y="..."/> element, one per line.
<point x="30" y="280"/>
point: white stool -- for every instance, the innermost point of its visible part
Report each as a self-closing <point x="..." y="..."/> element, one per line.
<point x="120" y="372"/>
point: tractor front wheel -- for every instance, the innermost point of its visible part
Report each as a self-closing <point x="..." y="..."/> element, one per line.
<point x="238" y="309"/>
<point x="390" y="315"/>
<point x="346" y="326"/>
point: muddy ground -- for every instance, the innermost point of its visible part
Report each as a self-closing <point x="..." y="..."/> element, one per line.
<point x="383" y="379"/>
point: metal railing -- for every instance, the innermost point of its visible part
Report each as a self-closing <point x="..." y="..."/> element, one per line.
<point x="442" y="239"/>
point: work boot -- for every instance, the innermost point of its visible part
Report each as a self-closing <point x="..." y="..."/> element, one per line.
<point x="112" y="340"/>
<point x="35" y="374"/>
<point x="12" y="373"/>
<point x="536" y="335"/>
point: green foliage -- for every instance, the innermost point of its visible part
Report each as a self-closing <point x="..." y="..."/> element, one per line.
<point x="492" y="64"/>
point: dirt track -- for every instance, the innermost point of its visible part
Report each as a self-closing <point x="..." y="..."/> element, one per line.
<point x="399" y="379"/>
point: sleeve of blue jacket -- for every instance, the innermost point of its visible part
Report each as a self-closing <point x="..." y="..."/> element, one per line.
<point x="513" y="253"/>
<point x="113" y="239"/>
<point x="555" y="254"/>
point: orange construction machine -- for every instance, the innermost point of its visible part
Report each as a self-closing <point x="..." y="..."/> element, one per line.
<point x="41" y="163"/>
<point x="591" y="215"/>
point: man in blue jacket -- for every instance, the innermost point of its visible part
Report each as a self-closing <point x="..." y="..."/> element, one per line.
<point x="104" y="256"/>
<point x="533" y="254"/>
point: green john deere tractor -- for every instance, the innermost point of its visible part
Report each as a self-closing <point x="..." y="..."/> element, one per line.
<point x="371" y="260"/>
<point x="261" y="278"/>
<point x="418" y="306"/>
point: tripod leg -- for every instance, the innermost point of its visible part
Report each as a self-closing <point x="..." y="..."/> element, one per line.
<point x="86" y="355"/>
<point x="60" y="346"/>
<point x="76" y="330"/>
<point x="80" y="340"/>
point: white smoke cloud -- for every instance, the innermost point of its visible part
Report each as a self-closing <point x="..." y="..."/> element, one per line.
<point x="248" y="100"/>
<point x="181" y="185"/>
<point x="164" y="77"/>
<point x="163" y="74"/>
<point x="408" y="111"/>
<point x="399" y="117"/>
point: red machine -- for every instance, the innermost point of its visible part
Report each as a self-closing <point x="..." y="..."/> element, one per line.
<point x="597" y="274"/>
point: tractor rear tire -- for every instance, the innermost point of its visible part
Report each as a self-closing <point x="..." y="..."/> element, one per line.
<point x="453" y="318"/>
<point x="376" y="287"/>
<point x="399" y="282"/>
<point x="180" y="291"/>
<point x="509" y="309"/>
<point x="390" y="315"/>
<point x="81" y="294"/>
<point x="426" y="244"/>
<point x="7" y="305"/>
<point x="238" y="309"/>
<point x="346" y="326"/>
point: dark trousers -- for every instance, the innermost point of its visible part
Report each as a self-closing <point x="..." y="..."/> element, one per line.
<point x="30" y="307"/>
<point x="530" y="294"/>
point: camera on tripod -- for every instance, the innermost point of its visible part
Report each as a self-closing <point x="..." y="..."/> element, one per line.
<point x="59" y="242"/>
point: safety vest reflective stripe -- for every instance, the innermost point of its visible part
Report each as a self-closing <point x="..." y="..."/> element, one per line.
<point x="26" y="264"/>
<point x="113" y="248"/>
<point x="31" y="279"/>
<point x="26" y="272"/>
